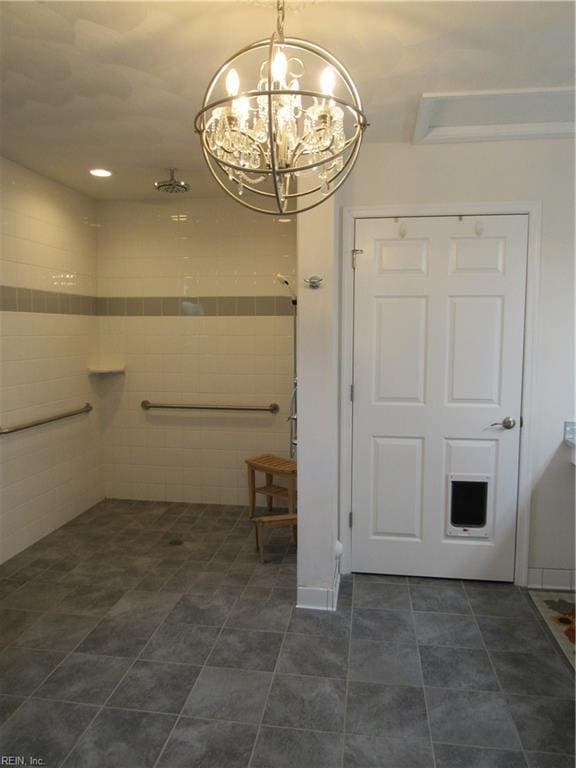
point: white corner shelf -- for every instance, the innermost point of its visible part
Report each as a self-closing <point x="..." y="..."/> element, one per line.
<point x="106" y="370"/>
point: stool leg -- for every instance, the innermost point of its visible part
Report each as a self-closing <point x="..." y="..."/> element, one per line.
<point x="291" y="495"/>
<point x="269" y="500"/>
<point x="252" y="498"/>
<point x="251" y="492"/>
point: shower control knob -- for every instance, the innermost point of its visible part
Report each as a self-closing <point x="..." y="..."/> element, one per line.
<point x="314" y="281"/>
<point x="507" y="423"/>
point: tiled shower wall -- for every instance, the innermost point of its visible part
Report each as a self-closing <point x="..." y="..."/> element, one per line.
<point x="197" y="316"/>
<point x="183" y="294"/>
<point x="49" y="474"/>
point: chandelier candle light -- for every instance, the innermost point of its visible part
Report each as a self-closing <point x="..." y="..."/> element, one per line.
<point x="281" y="147"/>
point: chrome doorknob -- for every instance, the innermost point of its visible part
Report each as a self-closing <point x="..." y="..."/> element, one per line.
<point x="507" y="423"/>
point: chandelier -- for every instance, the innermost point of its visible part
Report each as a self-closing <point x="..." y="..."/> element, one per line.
<point x="281" y="124"/>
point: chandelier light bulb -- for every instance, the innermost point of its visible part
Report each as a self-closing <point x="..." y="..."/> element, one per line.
<point x="242" y="107"/>
<point x="279" y="67"/>
<point x="328" y="81"/>
<point x="232" y="83"/>
<point x="297" y="99"/>
<point x="288" y="138"/>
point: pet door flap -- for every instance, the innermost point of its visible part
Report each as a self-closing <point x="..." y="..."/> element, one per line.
<point x="468" y="505"/>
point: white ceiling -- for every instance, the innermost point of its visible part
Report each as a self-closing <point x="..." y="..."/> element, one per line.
<point x="117" y="84"/>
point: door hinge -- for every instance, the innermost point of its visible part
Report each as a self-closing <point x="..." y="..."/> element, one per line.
<point x="521" y="421"/>
<point x="350" y="519"/>
<point x="351" y="393"/>
<point x="355" y="254"/>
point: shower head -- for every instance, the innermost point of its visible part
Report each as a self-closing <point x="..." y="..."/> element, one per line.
<point x="171" y="185"/>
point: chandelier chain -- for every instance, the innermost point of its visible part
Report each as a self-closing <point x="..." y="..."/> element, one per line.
<point x="280" y="14"/>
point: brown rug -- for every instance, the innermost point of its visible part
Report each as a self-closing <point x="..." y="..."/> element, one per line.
<point x="557" y="609"/>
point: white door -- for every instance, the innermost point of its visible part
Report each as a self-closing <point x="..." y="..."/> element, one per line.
<point x="438" y="346"/>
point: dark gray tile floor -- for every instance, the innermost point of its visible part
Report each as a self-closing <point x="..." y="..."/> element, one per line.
<point x="148" y="635"/>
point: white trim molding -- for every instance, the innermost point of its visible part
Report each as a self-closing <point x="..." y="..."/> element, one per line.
<point x="524" y="113"/>
<point x="533" y="209"/>
<point x="319" y="598"/>
<point x="560" y="579"/>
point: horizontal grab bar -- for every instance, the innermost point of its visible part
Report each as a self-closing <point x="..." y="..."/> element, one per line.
<point x="272" y="408"/>
<point x="20" y="427"/>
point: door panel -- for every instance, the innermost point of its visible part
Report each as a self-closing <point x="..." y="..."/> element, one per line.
<point x="477" y="255"/>
<point x="438" y="345"/>
<point x="475" y="349"/>
<point x="400" y="364"/>
<point x="402" y="257"/>
<point x="397" y="510"/>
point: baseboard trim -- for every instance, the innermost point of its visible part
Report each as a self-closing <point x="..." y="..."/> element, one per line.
<point x="319" y="598"/>
<point x="555" y="579"/>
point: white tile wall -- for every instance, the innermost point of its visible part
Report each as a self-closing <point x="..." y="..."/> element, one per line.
<point x="48" y="233"/>
<point x="52" y="473"/>
<point x="49" y="474"/>
<point x="193" y="456"/>
<point x="190" y="246"/>
<point x="197" y="248"/>
<point x="55" y="239"/>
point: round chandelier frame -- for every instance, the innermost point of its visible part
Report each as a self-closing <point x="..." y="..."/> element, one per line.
<point x="267" y="177"/>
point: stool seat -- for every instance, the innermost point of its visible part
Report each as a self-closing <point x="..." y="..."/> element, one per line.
<point x="275" y="520"/>
<point x="271" y="466"/>
<point x="276" y="491"/>
<point x="276" y="465"/>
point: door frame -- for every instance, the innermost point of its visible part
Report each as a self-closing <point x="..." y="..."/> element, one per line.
<point x="533" y="209"/>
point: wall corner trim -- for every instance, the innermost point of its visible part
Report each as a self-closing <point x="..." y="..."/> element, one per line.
<point x="319" y="598"/>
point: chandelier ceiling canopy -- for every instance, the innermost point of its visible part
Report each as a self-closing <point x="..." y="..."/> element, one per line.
<point x="281" y="124"/>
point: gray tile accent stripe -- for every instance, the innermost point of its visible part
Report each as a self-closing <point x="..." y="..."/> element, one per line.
<point x="31" y="300"/>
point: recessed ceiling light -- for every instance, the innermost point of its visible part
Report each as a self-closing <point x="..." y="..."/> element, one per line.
<point x="284" y="221"/>
<point x="100" y="172"/>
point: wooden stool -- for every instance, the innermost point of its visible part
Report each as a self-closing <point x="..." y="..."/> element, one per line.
<point x="271" y="465"/>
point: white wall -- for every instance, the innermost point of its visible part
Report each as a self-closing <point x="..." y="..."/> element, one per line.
<point x="318" y="407"/>
<point x="52" y="473"/>
<point x="182" y="250"/>
<point x="392" y="174"/>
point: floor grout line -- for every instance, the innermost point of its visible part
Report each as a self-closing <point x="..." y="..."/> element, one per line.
<point x="99" y="710"/>
<point x="500" y="688"/>
<point x="67" y="656"/>
<point x="267" y="697"/>
<point x="345" y="724"/>
<point x="203" y="667"/>
<point x="99" y="620"/>
<point x="425" y="698"/>
<point x="148" y="543"/>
